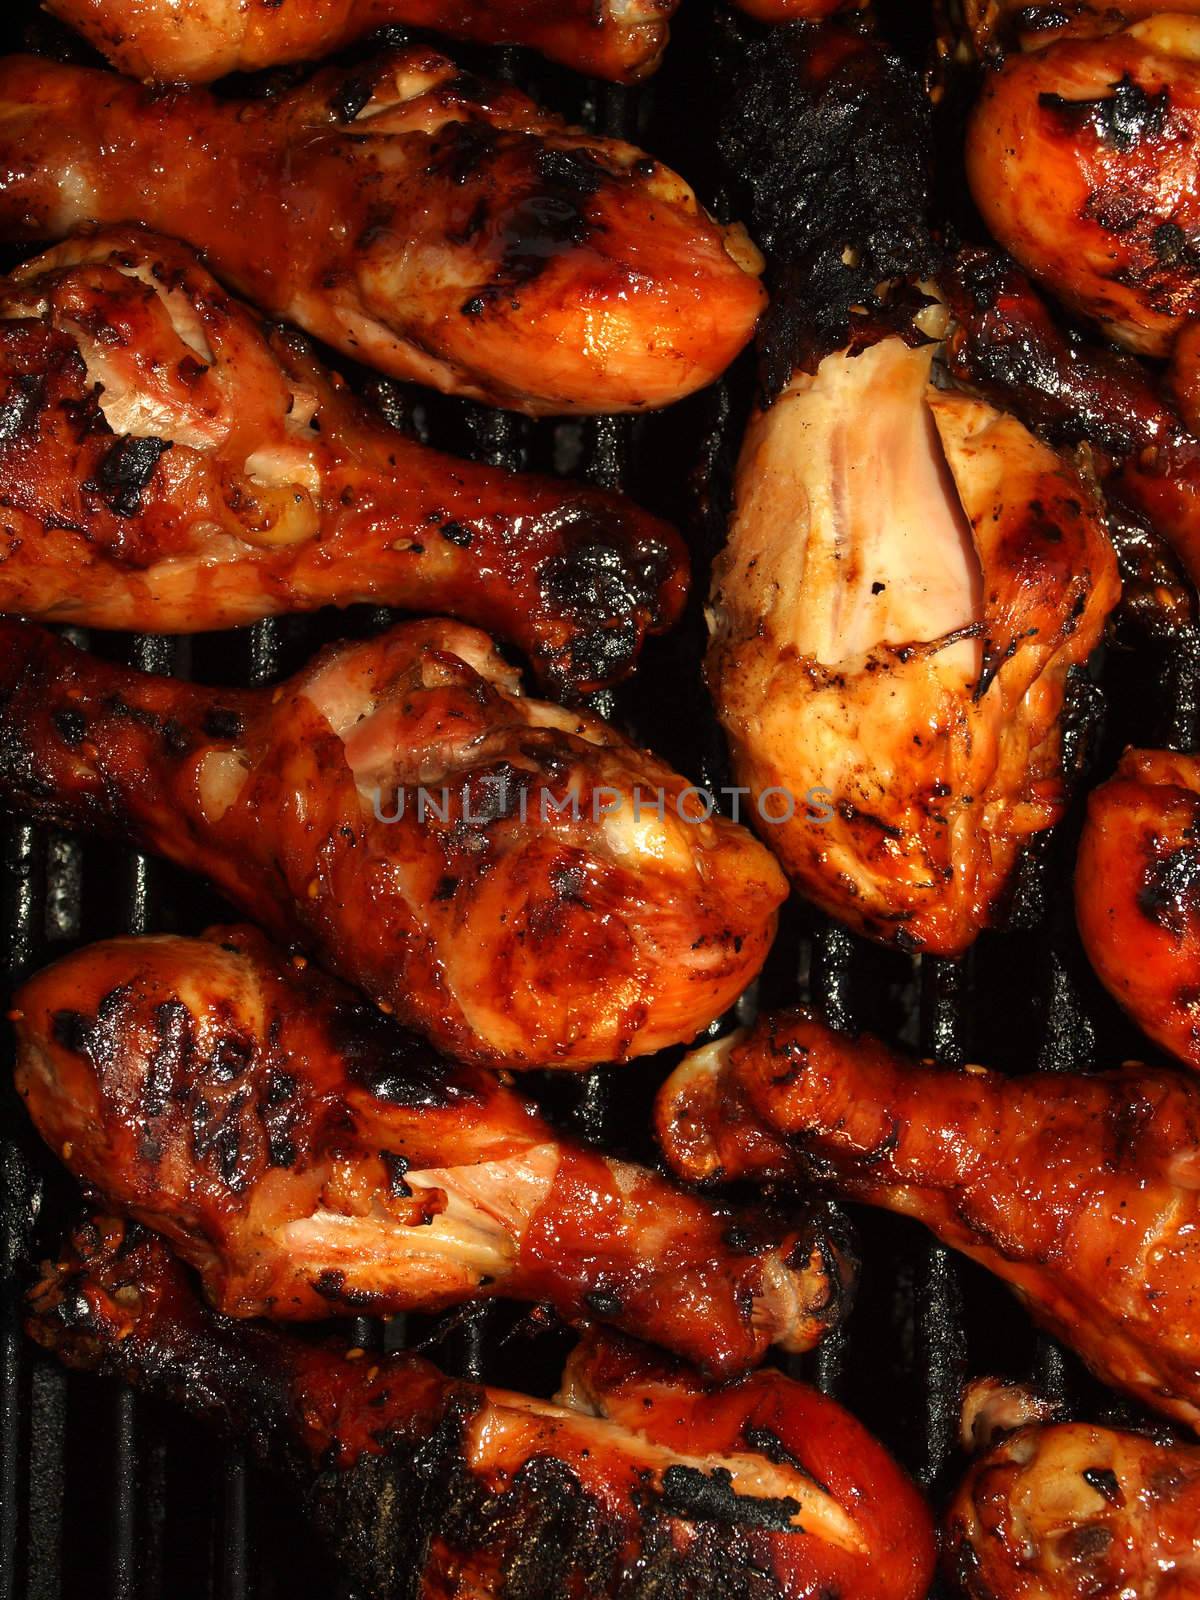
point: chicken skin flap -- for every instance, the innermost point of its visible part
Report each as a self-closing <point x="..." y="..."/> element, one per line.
<point x="1080" y="1192"/>
<point x="414" y="217"/>
<point x="516" y="882"/>
<point x="639" y="1482"/>
<point x="309" y="1157"/>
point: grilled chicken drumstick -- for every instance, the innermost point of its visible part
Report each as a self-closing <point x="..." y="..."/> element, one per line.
<point x="170" y="465"/>
<point x="308" y="1156"/>
<point x="1068" y="1511"/>
<point x="1136" y="882"/>
<point x="517" y="882"/>
<point x="1083" y="160"/>
<point x="196" y="41"/>
<point x="1081" y="1192"/>
<point x="640" y="1482"/>
<point x="893" y="621"/>
<point x="432" y="225"/>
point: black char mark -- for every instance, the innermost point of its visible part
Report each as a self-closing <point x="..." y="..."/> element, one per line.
<point x="126" y="471"/>
<point x="1121" y="119"/>
<point x="391" y="1063"/>
<point x="827" y="141"/>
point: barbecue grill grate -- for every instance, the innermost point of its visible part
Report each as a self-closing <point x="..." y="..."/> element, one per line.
<point x="101" y="1492"/>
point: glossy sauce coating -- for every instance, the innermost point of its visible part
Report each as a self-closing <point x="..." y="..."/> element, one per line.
<point x="640" y="1483"/>
<point x="491" y="867"/>
<point x="311" y="1158"/>
<point x="1080" y="1192"/>
<point x="171" y="465"/>
<point x="416" y="218"/>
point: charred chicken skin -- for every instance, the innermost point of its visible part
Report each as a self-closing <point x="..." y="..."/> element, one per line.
<point x="893" y="621"/>
<point x="1080" y="1192"/>
<point x="1069" y="1511"/>
<point x="1082" y="159"/>
<point x="640" y="1481"/>
<point x="424" y="222"/>
<point x="169" y="465"/>
<point x="1136" y="903"/>
<point x="516" y="882"/>
<point x="196" y="41"/>
<point x="309" y="1157"/>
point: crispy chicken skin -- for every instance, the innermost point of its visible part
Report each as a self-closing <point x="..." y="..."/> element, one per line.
<point x="491" y="867"/>
<point x="640" y="1482"/>
<point x="990" y="27"/>
<point x="1082" y="159"/>
<point x="893" y="620"/>
<point x="1081" y="1192"/>
<point x="427" y="223"/>
<point x="1136" y="880"/>
<point x="170" y="465"/>
<point x="309" y="1157"/>
<point x="797" y="10"/>
<point x="198" y="40"/>
<point x="1070" y="1511"/>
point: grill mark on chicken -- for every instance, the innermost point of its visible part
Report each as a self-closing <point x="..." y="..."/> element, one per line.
<point x="1122" y="118"/>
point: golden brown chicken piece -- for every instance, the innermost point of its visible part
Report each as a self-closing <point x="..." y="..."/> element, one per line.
<point x="1137" y="894"/>
<point x="1083" y="161"/>
<point x="1081" y="1192"/>
<point x="992" y="26"/>
<point x="421" y="220"/>
<point x="492" y="868"/>
<point x="309" y="1157"/>
<point x="196" y="41"/>
<point x="169" y="465"/>
<point x="1071" y="1511"/>
<point x="640" y="1481"/>
<point x="893" y="620"/>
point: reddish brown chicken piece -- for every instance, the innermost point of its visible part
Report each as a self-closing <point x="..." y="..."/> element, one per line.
<point x="416" y="218"/>
<point x="308" y="1156"/>
<point x="1082" y="158"/>
<point x="1081" y="1192"/>
<point x="199" y="40"/>
<point x="1069" y="1511"/>
<point x="894" y="618"/>
<point x="989" y="27"/>
<point x="170" y="465"/>
<point x="491" y="867"/>
<point x="1137" y="894"/>
<point x="640" y="1482"/>
<point x="798" y="10"/>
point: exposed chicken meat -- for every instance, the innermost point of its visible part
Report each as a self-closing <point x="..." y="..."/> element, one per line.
<point x="170" y="465"/>
<point x="1069" y="1511"/>
<point x="640" y="1483"/>
<point x="198" y="40"/>
<point x="1080" y="1192"/>
<point x="909" y="577"/>
<point x="1082" y="158"/>
<point x="417" y="218"/>
<point x="1137" y="894"/>
<point x="518" y="883"/>
<point x="307" y="1157"/>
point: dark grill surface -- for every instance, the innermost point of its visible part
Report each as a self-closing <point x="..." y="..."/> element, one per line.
<point x="103" y="1494"/>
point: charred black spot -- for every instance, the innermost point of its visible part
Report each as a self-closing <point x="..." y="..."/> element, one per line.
<point x="601" y="582"/>
<point x="71" y="724"/>
<point x="457" y="534"/>
<point x="231" y="1056"/>
<point x="553" y="219"/>
<point x="220" y="723"/>
<point x="568" y="883"/>
<point x="1121" y="119"/>
<point x="391" y="1063"/>
<point x="70" y="1030"/>
<point x="330" y="1283"/>
<point x="396" y="1168"/>
<point x="20" y="408"/>
<point x="349" y="98"/>
<point x="1104" y="1481"/>
<point x="711" y="1497"/>
<point x="125" y="473"/>
<point x="461" y="149"/>
<point x="604" y="1300"/>
<point x="1169" y="893"/>
<point x="170" y="1057"/>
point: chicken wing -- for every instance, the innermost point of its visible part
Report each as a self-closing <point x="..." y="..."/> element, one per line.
<point x="1068" y="1511"/>
<point x="308" y="1156"/>
<point x="640" y="1482"/>
<point x="170" y="465"/>
<point x="1136" y="894"/>
<point x="1081" y="1192"/>
<point x="518" y="883"/>
<point x="893" y="622"/>
<point x="416" y="218"/>
<point x="797" y="10"/>
<point x="196" y="41"/>
<point x="1082" y="159"/>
